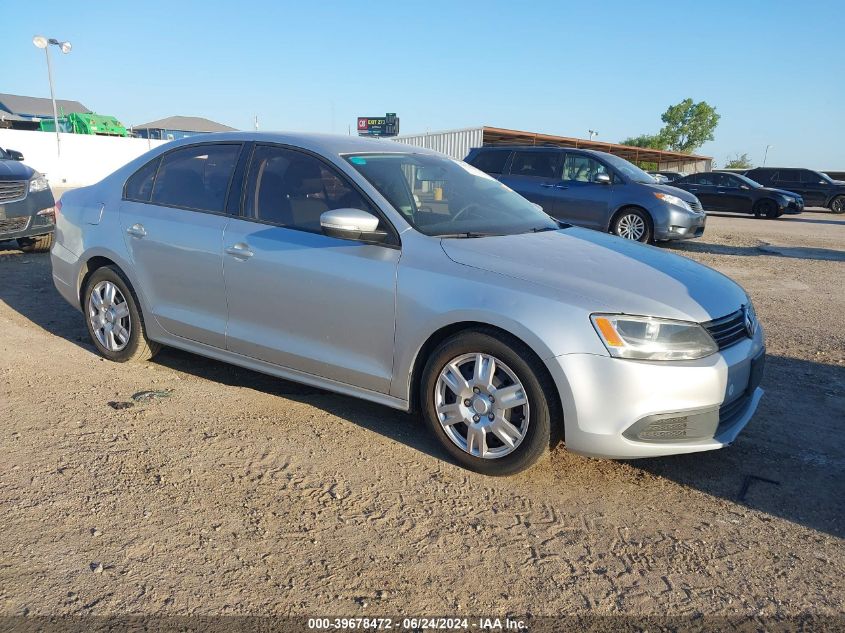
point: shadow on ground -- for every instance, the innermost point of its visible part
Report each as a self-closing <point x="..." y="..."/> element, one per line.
<point x="763" y="249"/>
<point x="789" y="462"/>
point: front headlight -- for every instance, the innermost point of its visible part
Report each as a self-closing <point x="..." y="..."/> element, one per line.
<point x="670" y="199"/>
<point x="38" y="183"/>
<point x="650" y="338"/>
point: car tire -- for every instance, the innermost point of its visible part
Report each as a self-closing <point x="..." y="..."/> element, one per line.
<point x="767" y="208"/>
<point x="633" y="224"/>
<point x="37" y="244"/>
<point x="837" y="205"/>
<point x="110" y="305"/>
<point x="518" y="373"/>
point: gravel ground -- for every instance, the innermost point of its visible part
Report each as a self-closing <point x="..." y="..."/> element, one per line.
<point x="244" y="494"/>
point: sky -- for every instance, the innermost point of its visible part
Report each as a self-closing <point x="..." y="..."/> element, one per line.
<point x="775" y="71"/>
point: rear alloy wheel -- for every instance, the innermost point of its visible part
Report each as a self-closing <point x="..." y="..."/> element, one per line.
<point x="767" y="208"/>
<point x="485" y="403"/>
<point x="113" y="318"/>
<point x="837" y="205"/>
<point x="37" y="244"/>
<point x="632" y="224"/>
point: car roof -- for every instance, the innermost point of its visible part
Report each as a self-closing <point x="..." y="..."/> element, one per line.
<point x="319" y="143"/>
<point x="539" y="148"/>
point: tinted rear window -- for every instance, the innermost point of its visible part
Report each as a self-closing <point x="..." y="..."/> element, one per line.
<point x="491" y="161"/>
<point x="537" y="164"/>
<point x="140" y="184"/>
<point x="196" y="177"/>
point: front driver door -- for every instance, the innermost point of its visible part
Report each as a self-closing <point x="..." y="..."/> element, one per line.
<point x="734" y="195"/>
<point x="298" y="298"/>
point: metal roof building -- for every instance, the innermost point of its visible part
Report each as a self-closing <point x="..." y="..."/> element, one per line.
<point x="175" y="127"/>
<point x="457" y="143"/>
<point x="22" y="112"/>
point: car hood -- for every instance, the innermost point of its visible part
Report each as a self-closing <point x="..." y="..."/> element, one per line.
<point x="604" y="273"/>
<point x="15" y="170"/>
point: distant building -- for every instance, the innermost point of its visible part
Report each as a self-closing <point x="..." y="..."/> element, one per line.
<point x="176" y="127"/>
<point x="19" y="112"/>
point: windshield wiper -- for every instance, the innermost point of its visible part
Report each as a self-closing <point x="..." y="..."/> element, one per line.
<point x="542" y="229"/>
<point x="469" y="234"/>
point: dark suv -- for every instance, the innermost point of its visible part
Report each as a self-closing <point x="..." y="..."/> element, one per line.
<point x="817" y="189"/>
<point x="594" y="190"/>
<point x="27" y="207"/>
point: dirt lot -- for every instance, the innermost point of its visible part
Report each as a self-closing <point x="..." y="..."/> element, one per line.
<point x="240" y="493"/>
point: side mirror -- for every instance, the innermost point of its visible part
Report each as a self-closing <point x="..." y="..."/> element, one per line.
<point x="601" y="179"/>
<point x="352" y="224"/>
<point x="14" y="154"/>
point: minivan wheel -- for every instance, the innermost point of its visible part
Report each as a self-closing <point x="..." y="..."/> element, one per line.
<point x="767" y="208"/>
<point x="37" y="244"/>
<point x="837" y="205"/>
<point x="632" y="224"/>
<point x="114" y="319"/>
<point x="485" y="400"/>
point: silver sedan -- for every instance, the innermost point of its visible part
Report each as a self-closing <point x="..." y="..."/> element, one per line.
<point x="401" y="276"/>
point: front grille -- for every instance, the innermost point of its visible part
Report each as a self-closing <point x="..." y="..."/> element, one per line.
<point x="728" y="330"/>
<point x="696" y="206"/>
<point x="11" y="190"/>
<point x="13" y="225"/>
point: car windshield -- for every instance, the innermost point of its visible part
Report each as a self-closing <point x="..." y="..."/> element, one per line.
<point x="442" y="197"/>
<point x="627" y="169"/>
<point x="746" y="180"/>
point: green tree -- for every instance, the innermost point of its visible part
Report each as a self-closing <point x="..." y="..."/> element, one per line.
<point x="739" y="161"/>
<point x="688" y="125"/>
<point x="650" y="141"/>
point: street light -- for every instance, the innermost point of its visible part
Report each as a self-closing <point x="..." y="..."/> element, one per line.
<point x="592" y="134"/>
<point x="42" y="42"/>
<point x="766" y="155"/>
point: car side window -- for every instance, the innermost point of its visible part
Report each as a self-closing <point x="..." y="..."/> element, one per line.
<point x="580" y="168"/>
<point x="536" y="164"/>
<point x="491" y="161"/>
<point x="293" y="189"/>
<point x="787" y="176"/>
<point x="726" y="180"/>
<point x="139" y="186"/>
<point x="196" y="177"/>
<point x="810" y="177"/>
<point x="706" y="179"/>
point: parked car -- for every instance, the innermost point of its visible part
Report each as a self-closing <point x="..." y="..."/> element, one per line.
<point x="727" y="191"/>
<point x="308" y="257"/>
<point x="659" y="178"/>
<point x="594" y="190"/>
<point x="817" y="189"/>
<point x="670" y="176"/>
<point x="26" y="204"/>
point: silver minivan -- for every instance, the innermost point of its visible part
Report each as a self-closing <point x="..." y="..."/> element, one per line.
<point x="401" y="276"/>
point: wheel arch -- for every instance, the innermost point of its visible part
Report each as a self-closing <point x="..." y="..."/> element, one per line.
<point x="438" y="336"/>
<point x="624" y="208"/>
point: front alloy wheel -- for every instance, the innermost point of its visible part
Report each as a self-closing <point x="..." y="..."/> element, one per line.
<point x="482" y="406"/>
<point x="489" y="401"/>
<point x="632" y="224"/>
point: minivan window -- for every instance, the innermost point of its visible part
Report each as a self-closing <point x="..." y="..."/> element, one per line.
<point x="581" y="168"/>
<point x="140" y="184"/>
<point x="443" y="197"/>
<point x="627" y="169"/>
<point x="196" y="177"/>
<point x="536" y="164"/>
<point x="491" y="161"/>
<point x="293" y="189"/>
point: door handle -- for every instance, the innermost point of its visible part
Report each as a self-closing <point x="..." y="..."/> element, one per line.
<point x="240" y="251"/>
<point x="549" y="185"/>
<point x="137" y="230"/>
<point x="560" y="185"/>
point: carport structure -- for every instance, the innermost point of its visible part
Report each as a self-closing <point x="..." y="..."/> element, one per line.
<point x="457" y="143"/>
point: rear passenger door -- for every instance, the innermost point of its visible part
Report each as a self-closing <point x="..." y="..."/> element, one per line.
<point x="535" y="176"/>
<point x="173" y="215"/>
<point x="703" y="186"/>
<point x="298" y="298"/>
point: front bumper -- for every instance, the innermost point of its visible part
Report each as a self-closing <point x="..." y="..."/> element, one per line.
<point x="794" y="207"/>
<point x="680" y="225"/>
<point x="21" y="219"/>
<point x="698" y="405"/>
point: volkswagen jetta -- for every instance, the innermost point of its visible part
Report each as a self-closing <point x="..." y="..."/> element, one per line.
<point x="401" y="276"/>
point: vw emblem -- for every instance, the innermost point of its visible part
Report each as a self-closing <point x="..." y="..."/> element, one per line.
<point x="750" y="321"/>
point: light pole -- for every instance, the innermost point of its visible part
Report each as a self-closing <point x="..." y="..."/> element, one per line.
<point x="42" y="42"/>
<point x="592" y="134"/>
<point x="766" y="155"/>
